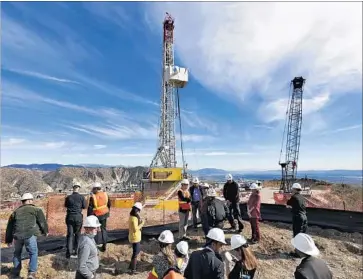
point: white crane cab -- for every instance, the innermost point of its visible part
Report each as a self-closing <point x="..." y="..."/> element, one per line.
<point x="177" y="76"/>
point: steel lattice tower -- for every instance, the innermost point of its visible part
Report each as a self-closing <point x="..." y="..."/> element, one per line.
<point x="165" y="155"/>
<point x="289" y="167"/>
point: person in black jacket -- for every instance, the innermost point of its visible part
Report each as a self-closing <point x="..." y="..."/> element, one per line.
<point x="25" y="224"/>
<point x="217" y="211"/>
<point x="207" y="263"/>
<point x="298" y="209"/>
<point x="74" y="219"/>
<point x="197" y="199"/>
<point x="310" y="267"/>
<point x="231" y="194"/>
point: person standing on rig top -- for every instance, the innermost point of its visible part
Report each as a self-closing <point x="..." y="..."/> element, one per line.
<point x="99" y="205"/>
<point x="231" y="194"/>
<point x="24" y="225"/>
<point x="184" y="209"/>
<point x="298" y="209"/>
<point x="197" y="197"/>
<point x="74" y="219"/>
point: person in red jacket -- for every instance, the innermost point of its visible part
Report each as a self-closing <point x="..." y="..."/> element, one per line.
<point x="254" y="212"/>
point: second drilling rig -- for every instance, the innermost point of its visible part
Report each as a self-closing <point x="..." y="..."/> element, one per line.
<point x="163" y="174"/>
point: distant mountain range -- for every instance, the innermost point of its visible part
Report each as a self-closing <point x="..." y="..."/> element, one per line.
<point x="346" y="176"/>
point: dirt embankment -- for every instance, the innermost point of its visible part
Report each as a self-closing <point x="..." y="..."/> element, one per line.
<point x="342" y="252"/>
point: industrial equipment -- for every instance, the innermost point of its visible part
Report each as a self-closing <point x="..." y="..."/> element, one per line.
<point x="163" y="174"/>
<point x="293" y="123"/>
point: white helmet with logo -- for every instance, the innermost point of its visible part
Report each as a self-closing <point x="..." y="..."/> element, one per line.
<point x="305" y="244"/>
<point x="97" y="185"/>
<point x="229" y="177"/>
<point x="166" y="237"/>
<point x="185" y="182"/>
<point x="237" y="241"/>
<point x="217" y="234"/>
<point x="27" y="196"/>
<point x="196" y="180"/>
<point x="296" y="186"/>
<point x="183" y="247"/>
<point x="92" y="222"/>
<point x="211" y="192"/>
<point x="254" y="186"/>
<point x="138" y="205"/>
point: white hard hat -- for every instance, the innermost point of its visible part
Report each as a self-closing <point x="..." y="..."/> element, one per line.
<point x="185" y="182"/>
<point x="305" y="244"/>
<point x="296" y="186"/>
<point x="196" y="180"/>
<point x="183" y="247"/>
<point x="206" y="185"/>
<point x="27" y="196"/>
<point x="211" y="192"/>
<point x="138" y="205"/>
<point x="217" y="235"/>
<point x="166" y="237"/>
<point x="254" y="186"/>
<point x="229" y="177"/>
<point x="97" y="185"/>
<point x="237" y="241"/>
<point x="92" y="222"/>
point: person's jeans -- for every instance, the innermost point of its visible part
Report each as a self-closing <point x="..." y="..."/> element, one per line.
<point x="183" y="223"/>
<point x="31" y="247"/>
<point x="255" y="228"/>
<point x="205" y="225"/>
<point x="235" y="214"/>
<point x="74" y="226"/>
<point x="195" y="210"/>
<point x="136" y="248"/>
<point x="103" y="233"/>
<point x="299" y="225"/>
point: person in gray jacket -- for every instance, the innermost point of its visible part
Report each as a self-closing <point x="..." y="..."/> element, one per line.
<point x="88" y="261"/>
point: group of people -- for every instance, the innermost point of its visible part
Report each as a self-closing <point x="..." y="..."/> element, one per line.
<point x="28" y="222"/>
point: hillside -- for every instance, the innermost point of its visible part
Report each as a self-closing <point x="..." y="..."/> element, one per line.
<point x="17" y="181"/>
<point x="342" y="252"/>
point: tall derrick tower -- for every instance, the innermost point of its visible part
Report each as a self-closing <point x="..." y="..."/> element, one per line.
<point x="164" y="173"/>
<point x="294" y="121"/>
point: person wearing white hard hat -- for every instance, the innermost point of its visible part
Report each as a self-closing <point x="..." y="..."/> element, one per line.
<point x="135" y="226"/>
<point x="207" y="263"/>
<point x="181" y="255"/>
<point x="298" y="210"/>
<point x="216" y="212"/>
<point x="88" y="261"/>
<point x="246" y="263"/>
<point x="231" y="195"/>
<point x="99" y="205"/>
<point x="196" y="200"/>
<point x="184" y="209"/>
<point x="254" y="212"/>
<point x="25" y="224"/>
<point x="204" y="188"/>
<point x="165" y="259"/>
<point x="310" y="267"/>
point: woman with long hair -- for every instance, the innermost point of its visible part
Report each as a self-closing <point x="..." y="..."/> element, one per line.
<point x="135" y="226"/>
<point x="165" y="259"/>
<point x="246" y="265"/>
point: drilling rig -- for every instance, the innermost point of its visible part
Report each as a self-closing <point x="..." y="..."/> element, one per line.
<point x="163" y="174"/>
<point x="293" y="123"/>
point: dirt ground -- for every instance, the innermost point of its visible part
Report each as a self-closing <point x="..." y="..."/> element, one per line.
<point x="342" y="251"/>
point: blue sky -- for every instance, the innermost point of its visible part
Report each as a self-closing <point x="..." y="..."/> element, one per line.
<point x="81" y="82"/>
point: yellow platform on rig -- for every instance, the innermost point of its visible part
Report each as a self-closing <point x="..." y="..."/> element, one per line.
<point x="165" y="174"/>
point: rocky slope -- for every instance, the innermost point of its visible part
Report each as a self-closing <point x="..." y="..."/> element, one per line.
<point x="15" y="182"/>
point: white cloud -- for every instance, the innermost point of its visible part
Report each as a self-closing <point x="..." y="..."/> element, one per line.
<point x="276" y="110"/>
<point x="99" y="146"/>
<point x="11" y="142"/>
<point x="239" y="49"/>
<point x="196" y="138"/>
<point x="42" y="76"/>
<point x="194" y="120"/>
<point x="343" y="129"/>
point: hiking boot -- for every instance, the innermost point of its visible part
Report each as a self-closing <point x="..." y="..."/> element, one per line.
<point x="133" y="272"/>
<point x="31" y="275"/>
